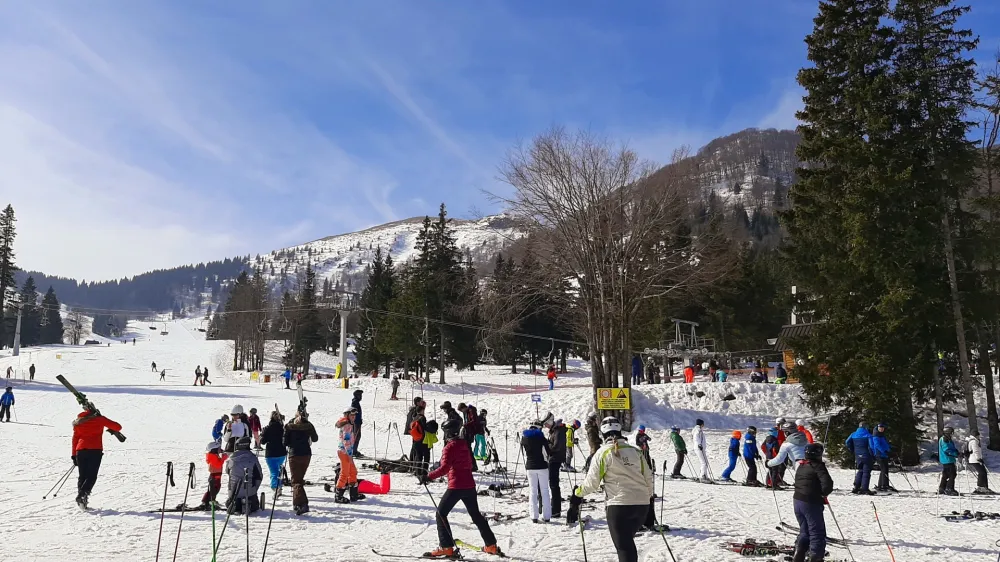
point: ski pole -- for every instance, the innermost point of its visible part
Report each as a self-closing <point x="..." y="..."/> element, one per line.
<point x="583" y="540"/>
<point x="246" y="506"/>
<point x="163" y="513"/>
<point x="400" y="438"/>
<point x="274" y="502"/>
<point x="388" y="434"/>
<point x="229" y="513"/>
<point x="212" y="502"/>
<point x="891" y="555"/>
<point x="774" y="494"/>
<point x="839" y="530"/>
<point x="190" y="486"/>
<point x="663" y="484"/>
<point x="62" y="479"/>
<point x="437" y="513"/>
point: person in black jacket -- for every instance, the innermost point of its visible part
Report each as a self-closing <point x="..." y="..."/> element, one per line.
<point x="420" y="453"/>
<point x="356" y="406"/>
<point x="536" y="451"/>
<point x="557" y="446"/>
<point x="299" y="437"/>
<point x="812" y="485"/>
<point x="273" y="439"/>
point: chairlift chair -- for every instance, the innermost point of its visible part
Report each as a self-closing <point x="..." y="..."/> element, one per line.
<point x="164" y="332"/>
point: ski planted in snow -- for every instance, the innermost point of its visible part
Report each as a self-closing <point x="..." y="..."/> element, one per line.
<point x="82" y="399"/>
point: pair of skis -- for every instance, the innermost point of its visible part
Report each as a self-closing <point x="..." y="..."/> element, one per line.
<point x="81" y="398"/>
<point x="793" y="530"/>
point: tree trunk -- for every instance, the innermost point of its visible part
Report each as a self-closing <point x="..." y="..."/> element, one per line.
<point x="388" y="367"/>
<point x="963" y="351"/>
<point x="938" y="400"/>
<point x="909" y="453"/>
<point x="441" y="376"/>
<point x="992" y="419"/>
<point x="562" y="360"/>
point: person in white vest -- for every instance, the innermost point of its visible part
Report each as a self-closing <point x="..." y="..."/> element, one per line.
<point x="974" y="450"/>
<point x="236" y="429"/>
<point x="701" y="446"/>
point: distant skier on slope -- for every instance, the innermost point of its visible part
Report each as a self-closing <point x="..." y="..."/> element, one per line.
<point x="204" y="377"/>
<point x="701" y="446"/>
<point x="6" y="403"/>
<point x="197" y="376"/>
<point x="154" y="366"/>
<point x="88" y="449"/>
<point x="163" y="375"/>
<point x="395" y="387"/>
<point x="550" y="374"/>
<point x="243" y="496"/>
<point x="680" y="449"/>
<point x="31" y="372"/>
<point x="628" y="488"/>
<point x="456" y="462"/>
<point x="287" y="375"/>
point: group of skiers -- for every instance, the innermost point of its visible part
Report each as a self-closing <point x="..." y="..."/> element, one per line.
<point x="31" y="372"/>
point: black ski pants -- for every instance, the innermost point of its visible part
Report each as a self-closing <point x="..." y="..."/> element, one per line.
<point x="420" y="457"/>
<point x="5" y="411"/>
<point x="883" y="473"/>
<point x="624" y="521"/>
<point x="88" y="464"/>
<point x="751" y="469"/>
<point x="948" y="472"/>
<point x="357" y="439"/>
<point x="678" y="465"/>
<point x="554" y="464"/>
<point x="471" y="501"/>
<point x="982" y="480"/>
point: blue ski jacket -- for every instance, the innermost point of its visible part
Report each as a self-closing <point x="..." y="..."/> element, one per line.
<point x="879" y="446"/>
<point x="217" y="429"/>
<point x="947" y="451"/>
<point x="858" y="443"/>
<point x="734" y="447"/>
<point x="749" y="446"/>
<point x="7" y="399"/>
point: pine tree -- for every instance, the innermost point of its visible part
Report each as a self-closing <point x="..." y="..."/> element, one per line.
<point x="52" y="324"/>
<point x="376" y="296"/>
<point x="7" y="266"/>
<point x="308" y="329"/>
<point x="31" y="319"/>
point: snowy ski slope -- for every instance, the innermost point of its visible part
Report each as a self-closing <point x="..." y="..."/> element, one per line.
<point x="172" y="420"/>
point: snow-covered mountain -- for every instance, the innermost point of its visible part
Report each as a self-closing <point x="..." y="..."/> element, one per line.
<point x="344" y="258"/>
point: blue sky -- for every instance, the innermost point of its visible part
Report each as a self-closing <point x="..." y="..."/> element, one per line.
<point x="138" y="135"/>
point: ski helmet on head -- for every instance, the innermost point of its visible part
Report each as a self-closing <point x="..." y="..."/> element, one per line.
<point x="642" y="428"/>
<point x="861" y="424"/>
<point x="237" y="410"/>
<point x="779" y="421"/>
<point x="576" y="424"/>
<point x="800" y="422"/>
<point x="789" y="427"/>
<point x="881" y="425"/>
<point x="214" y="445"/>
<point x="949" y="430"/>
<point x="737" y="434"/>
<point x="358" y="392"/>
<point x="243" y="443"/>
<point x="253" y="410"/>
<point x="610" y="426"/>
<point x="814" y="452"/>
<point x="11" y="388"/>
<point x="451" y="428"/>
<point x="483" y="412"/>
<point x="751" y="429"/>
<point x="675" y="429"/>
<point x="699" y="421"/>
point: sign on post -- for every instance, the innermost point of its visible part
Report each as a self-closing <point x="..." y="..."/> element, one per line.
<point x="537" y="398"/>
<point x="613" y="399"/>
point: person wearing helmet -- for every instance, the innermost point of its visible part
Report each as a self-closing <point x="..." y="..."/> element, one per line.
<point x="536" y="450"/>
<point x="642" y="440"/>
<point x="792" y="450"/>
<point x="801" y="425"/>
<point x="974" y="454"/>
<point x="245" y="476"/>
<point x="812" y="485"/>
<point x="571" y="441"/>
<point x="215" y="459"/>
<point x="557" y="456"/>
<point x="734" y="455"/>
<point x="859" y="444"/>
<point x="456" y="462"/>
<point x="253" y="424"/>
<point x="701" y="446"/>
<point x="6" y="402"/>
<point x="88" y="449"/>
<point x="751" y="456"/>
<point x="680" y="448"/>
<point x="345" y="452"/>
<point x="299" y="436"/>
<point x="880" y="449"/>
<point x="236" y="429"/>
<point x="628" y="488"/>
<point x="947" y="454"/>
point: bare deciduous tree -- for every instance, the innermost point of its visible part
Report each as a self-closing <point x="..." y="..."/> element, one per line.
<point x="615" y="231"/>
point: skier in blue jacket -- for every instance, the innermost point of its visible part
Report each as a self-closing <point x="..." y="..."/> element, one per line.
<point x="6" y="401"/>
<point x="734" y="455"/>
<point x="880" y="448"/>
<point x="220" y="425"/>
<point x="751" y="456"/>
<point x="947" y="454"/>
<point x="859" y="444"/>
<point x="636" y="370"/>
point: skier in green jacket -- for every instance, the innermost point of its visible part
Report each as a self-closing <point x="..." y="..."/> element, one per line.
<point x="680" y="448"/>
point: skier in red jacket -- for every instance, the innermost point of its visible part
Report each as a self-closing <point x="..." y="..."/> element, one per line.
<point x="215" y="459"/>
<point x="88" y="449"/>
<point x="456" y="462"/>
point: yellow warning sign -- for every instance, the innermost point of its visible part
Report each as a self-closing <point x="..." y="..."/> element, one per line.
<point x="613" y="399"/>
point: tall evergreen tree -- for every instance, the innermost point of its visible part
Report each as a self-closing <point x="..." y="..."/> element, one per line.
<point x="308" y="328"/>
<point x="7" y="266"/>
<point x="52" y="324"/>
<point x="31" y="318"/>
<point x="376" y="296"/>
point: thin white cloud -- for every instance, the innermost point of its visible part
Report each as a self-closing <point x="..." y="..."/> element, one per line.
<point x="783" y="114"/>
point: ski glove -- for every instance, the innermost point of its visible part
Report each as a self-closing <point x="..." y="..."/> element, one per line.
<point x="74" y="460"/>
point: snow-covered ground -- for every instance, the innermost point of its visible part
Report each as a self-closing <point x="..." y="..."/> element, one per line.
<point x="172" y="420"/>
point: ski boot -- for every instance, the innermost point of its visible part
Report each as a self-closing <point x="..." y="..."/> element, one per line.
<point x="494" y="550"/>
<point x="445" y="552"/>
<point x="355" y="494"/>
<point x="983" y="491"/>
<point x="81" y="501"/>
<point x="340" y="496"/>
<point x="799" y="556"/>
<point x="301" y="509"/>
